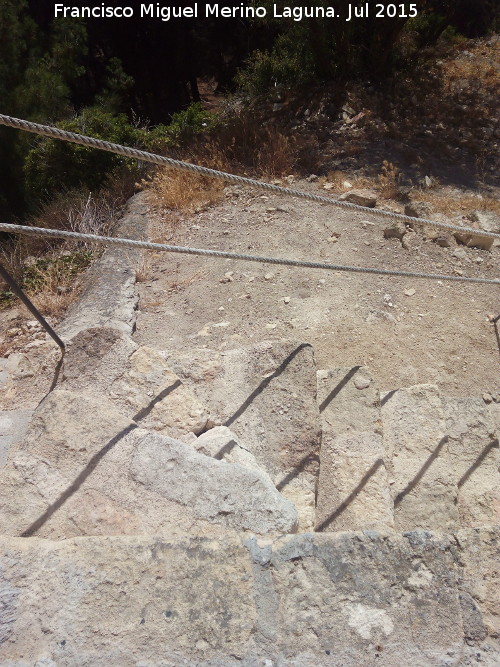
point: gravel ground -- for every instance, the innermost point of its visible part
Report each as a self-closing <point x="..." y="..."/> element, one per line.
<point x="407" y="331"/>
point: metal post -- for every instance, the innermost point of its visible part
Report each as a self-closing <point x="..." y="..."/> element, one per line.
<point x="22" y="296"/>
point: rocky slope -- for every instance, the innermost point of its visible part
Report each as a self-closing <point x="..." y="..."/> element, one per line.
<point x="236" y="494"/>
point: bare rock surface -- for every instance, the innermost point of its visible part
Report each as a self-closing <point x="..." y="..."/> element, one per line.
<point x="125" y="601"/>
<point x="253" y="388"/>
<point x="424" y="492"/>
<point x="149" y="388"/>
<point x="266" y="394"/>
<point x="222" y="444"/>
<point x="137" y="380"/>
<point x="474" y="455"/>
<point x="86" y="469"/>
<point x="442" y="454"/>
<point x="360" y="197"/>
<point x="480" y="579"/>
<point x="13" y="427"/>
<point x="348" y="598"/>
<point x="229" y="494"/>
<point x="353" y="490"/>
<point x="472" y="240"/>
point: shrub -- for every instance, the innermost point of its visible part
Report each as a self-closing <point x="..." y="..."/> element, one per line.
<point x="184" y="126"/>
<point x="281" y="67"/>
<point x="52" y="165"/>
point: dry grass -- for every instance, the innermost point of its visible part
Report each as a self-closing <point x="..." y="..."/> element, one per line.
<point x="479" y="70"/>
<point x="389" y="180"/>
<point x="47" y="268"/>
<point x="245" y="143"/>
<point x="54" y="304"/>
<point x="276" y="156"/>
<point x="242" y="146"/>
<point x="184" y="191"/>
<point x="456" y="203"/>
<point x="51" y="282"/>
<point x="144" y="271"/>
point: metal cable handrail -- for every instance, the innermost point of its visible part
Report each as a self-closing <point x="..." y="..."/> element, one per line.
<point x="92" y="142"/>
<point x="148" y="245"/>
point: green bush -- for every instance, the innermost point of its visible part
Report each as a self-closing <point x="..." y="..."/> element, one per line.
<point x="184" y="126"/>
<point x="52" y="165"/>
<point x="281" y="67"/>
<point x="427" y="26"/>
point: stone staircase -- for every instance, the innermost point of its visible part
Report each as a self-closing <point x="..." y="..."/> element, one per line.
<point x="245" y="508"/>
<point x="164" y="508"/>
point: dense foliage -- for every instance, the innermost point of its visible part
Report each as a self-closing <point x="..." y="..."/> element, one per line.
<point x="111" y="79"/>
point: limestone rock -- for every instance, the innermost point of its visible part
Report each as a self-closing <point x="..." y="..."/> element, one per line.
<point x="125" y="601"/>
<point x="480" y="577"/>
<point x="395" y="230"/>
<point x="474" y="456"/>
<point x="67" y="438"/>
<point x="443" y="240"/>
<point x="418" y="209"/>
<point x="416" y="445"/>
<point x="67" y="430"/>
<point x="348" y="598"/>
<point x="95" y="358"/>
<point x="472" y="240"/>
<point x="225" y="493"/>
<point x="488" y="221"/>
<point x="138" y="380"/>
<point x="459" y="253"/>
<point x="157" y="397"/>
<point x="85" y="469"/>
<point x="353" y="490"/>
<point x="222" y="444"/>
<point x="360" y="197"/>
<point x="266" y="395"/>
<point x="345" y="408"/>
<point x="13" y="427"/>
<point x="344" y="600"/>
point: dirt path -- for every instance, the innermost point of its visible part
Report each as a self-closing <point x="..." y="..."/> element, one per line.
<point x="438" y="334"/>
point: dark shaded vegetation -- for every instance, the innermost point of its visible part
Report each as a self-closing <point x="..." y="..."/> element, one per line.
<point x="125" y="79"/>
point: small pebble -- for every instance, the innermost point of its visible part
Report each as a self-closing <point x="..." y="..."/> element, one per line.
<point x="362" y="382"/>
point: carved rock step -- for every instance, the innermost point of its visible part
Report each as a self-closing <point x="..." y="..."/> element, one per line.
<point x="353" y="491"/>
<point x="442" y="455"/>
<point x="333" y="599"/>
<point x="266" y="395"/>
<point x="85" y="469"/>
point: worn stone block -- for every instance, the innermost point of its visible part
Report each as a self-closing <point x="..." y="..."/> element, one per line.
<point x="353" y="490"/>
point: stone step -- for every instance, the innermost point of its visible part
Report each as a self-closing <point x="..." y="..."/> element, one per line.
<point x="442" y="457"/>
<point x="474" y="455"/>
<point x="85" y="469"/>
<point x="353" y="490"/>
<point x="266" y="395"/>
<point x="347" y="598"/>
